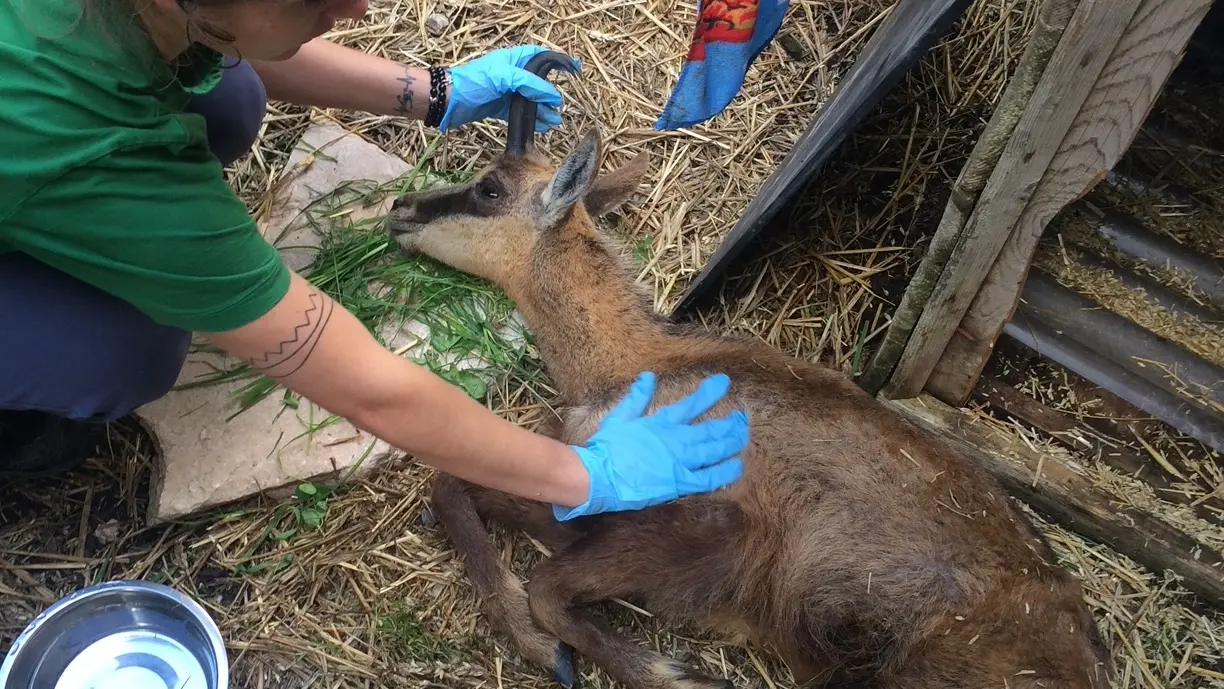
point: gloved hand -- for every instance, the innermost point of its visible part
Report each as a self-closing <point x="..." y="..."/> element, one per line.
<point x="481" y="89"/>
<point x="637" y="461"/>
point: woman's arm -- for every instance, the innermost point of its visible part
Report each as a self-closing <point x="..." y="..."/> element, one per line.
<point x="315" y="347"/>
<point x="327" y="75"/>
<point x="324" y="74"/>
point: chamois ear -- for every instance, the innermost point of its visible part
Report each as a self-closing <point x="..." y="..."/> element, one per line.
<point x="570" y="183"/>
<point x="615" y="188"/>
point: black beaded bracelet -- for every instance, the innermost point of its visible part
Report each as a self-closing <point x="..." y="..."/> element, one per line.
<point x="439" y="80"/>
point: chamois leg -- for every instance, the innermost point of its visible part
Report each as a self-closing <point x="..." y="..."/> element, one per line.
<point x="677" y="553"/>
<point x="459" y="506"/>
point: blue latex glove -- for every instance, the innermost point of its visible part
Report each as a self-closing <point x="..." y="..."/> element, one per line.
<point x="637" y="461"/>
<point x="481" y="89"/>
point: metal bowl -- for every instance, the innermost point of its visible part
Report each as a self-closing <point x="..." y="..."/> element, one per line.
<point x="119" y="635"/>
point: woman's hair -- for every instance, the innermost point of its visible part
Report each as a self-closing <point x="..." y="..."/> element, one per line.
<point x="114" y="19"/>
<point x="195" y="24"/>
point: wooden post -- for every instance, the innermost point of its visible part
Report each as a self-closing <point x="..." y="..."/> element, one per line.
<point x="1086" y="45"/>
<point x="1111" y="116"/>
<point x="1052" y="19"/>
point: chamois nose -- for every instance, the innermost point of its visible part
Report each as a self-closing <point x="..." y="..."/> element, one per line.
<point x="404" y="208"/>
<point x="402" y="216"/>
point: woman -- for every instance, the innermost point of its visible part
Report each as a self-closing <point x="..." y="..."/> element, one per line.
<point x="119" y="237"/>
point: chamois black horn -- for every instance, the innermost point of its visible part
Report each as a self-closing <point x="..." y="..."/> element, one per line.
<point x="520" y="133"/>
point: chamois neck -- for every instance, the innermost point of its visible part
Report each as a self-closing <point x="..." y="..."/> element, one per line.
<point x="593" y="328"/>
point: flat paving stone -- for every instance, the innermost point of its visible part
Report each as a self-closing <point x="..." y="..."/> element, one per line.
<point x="209" y="459"/>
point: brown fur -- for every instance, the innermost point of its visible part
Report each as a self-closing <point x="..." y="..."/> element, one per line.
<point x="860" y="549"/>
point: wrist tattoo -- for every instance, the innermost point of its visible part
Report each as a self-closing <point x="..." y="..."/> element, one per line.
<point x="292" y="353"/>
<point x="404" y="99"/>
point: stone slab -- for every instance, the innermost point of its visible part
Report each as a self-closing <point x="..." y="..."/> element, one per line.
<point x="211" y="455"/>
<point x="326" y="158"/>
<point x="209" y="459"/>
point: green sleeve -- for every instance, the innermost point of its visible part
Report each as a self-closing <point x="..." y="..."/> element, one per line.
<point x="159" y="228"/>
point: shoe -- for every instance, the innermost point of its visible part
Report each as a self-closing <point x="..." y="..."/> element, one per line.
<point x="36" y="444"/>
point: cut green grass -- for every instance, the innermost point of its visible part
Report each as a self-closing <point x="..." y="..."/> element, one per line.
<point x="402" y="631"/>
<point x="359" y="265"/>
<point x="306" y="512"/>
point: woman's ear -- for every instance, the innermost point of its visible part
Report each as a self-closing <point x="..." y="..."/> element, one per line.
<point x="613" y="189"/>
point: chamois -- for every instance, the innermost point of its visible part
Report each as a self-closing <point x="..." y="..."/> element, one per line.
<point x="860" y="549"/>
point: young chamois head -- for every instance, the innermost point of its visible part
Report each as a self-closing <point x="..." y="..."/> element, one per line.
<point x="493" y="225"/>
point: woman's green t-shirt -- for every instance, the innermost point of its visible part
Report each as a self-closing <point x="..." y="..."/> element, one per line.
<point x="103" y="176"/>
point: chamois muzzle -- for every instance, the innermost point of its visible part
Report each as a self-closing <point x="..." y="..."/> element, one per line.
<point x="520" y="134"/>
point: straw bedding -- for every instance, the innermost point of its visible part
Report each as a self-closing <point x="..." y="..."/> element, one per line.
<point x="376" y="599"/>
<point x="357" y="589"/>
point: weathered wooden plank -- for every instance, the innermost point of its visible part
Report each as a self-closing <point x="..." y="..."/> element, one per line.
<point x="1062" y="494"/>
<point x="1076" y="64"/>
<point x="1052" y="19"/>
<point x="1105" y="127"/>
<point x="1078" y="437"/>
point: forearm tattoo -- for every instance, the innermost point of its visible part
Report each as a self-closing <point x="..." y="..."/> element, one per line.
<point x="293" y="352"/>
<point x="406" y="96"/>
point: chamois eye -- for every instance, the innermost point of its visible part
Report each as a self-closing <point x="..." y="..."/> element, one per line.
<point x="488" y="189"/>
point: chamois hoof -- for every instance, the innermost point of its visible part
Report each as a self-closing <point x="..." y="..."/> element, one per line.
<point x="564" y="672"/>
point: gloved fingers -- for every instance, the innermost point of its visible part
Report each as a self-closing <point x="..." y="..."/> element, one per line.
<point x="533" y="87"/>
<point x="734" y="424"/>
<point x="707" y="394"/>
<point x="635" y="401"/>
<point x="714" y="441"/>
<point x="549" y="113"/>
<point x="712" y="478"/>
<point x="547" y="117"/>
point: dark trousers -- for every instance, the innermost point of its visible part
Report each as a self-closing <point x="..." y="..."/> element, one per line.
<point x="75" y="351"/>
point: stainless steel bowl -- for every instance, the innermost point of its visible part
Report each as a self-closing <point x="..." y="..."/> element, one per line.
<point x="119" y="635"/>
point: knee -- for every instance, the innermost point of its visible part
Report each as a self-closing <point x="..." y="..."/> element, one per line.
<point x="139" y="366"/>
<point x="111" y="360"/>
<point x="547" y="598"/>
<point x="233" y="112"/>
<point x="104" y="375"/>
<point x="153" y="366"/>
<point x="99" y="379"/>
